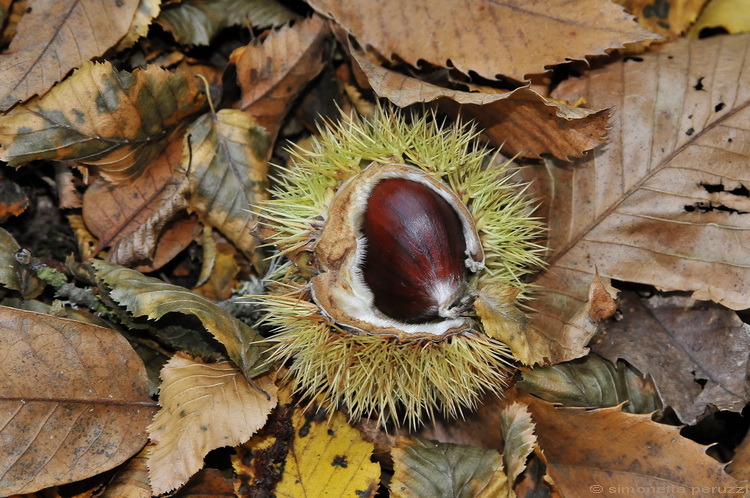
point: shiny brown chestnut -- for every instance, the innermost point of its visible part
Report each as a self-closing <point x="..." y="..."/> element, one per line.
<point x="396" y="253"/>
<point x="414" y="251"/>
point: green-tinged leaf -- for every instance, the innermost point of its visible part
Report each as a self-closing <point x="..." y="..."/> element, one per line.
<point x="195" y="22"/>
<point x="428" y="468"/>
<point x="228" y="172"/>
<point x="12" y="274"/>
<point x="592" y="382"/>
<point x="150" y="297"/>
<point x="74" y="400"/>
<point x="518" y="434"/>
<point x="204" y="406"/>
<point x="115" y="121"/>
<point x="54" y="37"/>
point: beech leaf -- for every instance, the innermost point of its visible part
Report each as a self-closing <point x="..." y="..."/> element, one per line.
<point x="692" y="367"/>
<point x="196" y="22"/>
<point x="519" y="438"/>
<point x="640" y="453"/>
<point x="592" y="382"/>
<point x="204" y="406"/>
<point x="74" y="399"/>
<point x="664" y="203"/>
<point x="429" y="468"/>
<point x="508" y="119"/>
<point x="113" y="120"/>
<point x="228" y="173"/>
<point x="513" y="38"/>
<point x="150" y="297"/>
<point x="54" y="37"/>
<point x="268" y="90"/>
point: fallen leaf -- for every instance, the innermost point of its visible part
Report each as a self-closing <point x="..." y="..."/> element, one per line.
<point x="639" y="454"/>
<point x="592" y="382"/>
<point x="208" y="483"/>
<point x="662" y="203"/>
<point x="504" y="321"/>
<point x="84" y="239"/>
<point x="428" y="468"/>
<point x="228" y="173"/>
<point x="131" y="480"/>
<point x="508" y="119"/>
<point x="327" y="457"/>
<point x="696" y="352"/>
<point x="196" y="22"/>
<point x="67" y="193"/>
<point x="670" y="18"/>
<point x="602" y="299"/>
<point x="74" y="398"/>
<point x="150" y="297"/>
<point x="204" y="406"/>
<point x="268" y="89"/>
<point x="13" y="200"/>
<point x="54" y="37"/>
<point x="732" y="16"/>
<point x="221" y="278"/>
<point x="519" y="438"/>
<point x="740" y="465"/>
<point x="512" y="38"/>
<point x="144" y="16"/>
<point x="13" y="275"/>
<point x="114" y="121"/>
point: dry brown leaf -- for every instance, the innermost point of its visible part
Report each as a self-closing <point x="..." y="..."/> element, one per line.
<point x="131" y="217"/>
<point x="740" y="466"/>
<point x="513" y="38"/>
<point x="669" y="18"/>
<point x="14" y="275"/>
<point x="54" y="37"/>
<point x="611" y="452"/>
<point x="208" y="483"/>
<point x="519" y="438"/>
<point x="131" y="480"/>
<point x="696" y="352"/>
<point x="663" y="201"/>
<point x="602" y="299"/>
<point x="272" y="73"/>
<point x="13" y="200"/>
<point x="512" y="120"/>
<point x="221" y="277"/>
<point x="74" y="398"/>
<point x="204" y="406"/>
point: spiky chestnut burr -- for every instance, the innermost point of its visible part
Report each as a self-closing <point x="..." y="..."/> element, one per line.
<point x="390" y="230"/>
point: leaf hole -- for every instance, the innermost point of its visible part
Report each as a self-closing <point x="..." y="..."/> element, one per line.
<point x="718" y="107"/>
<point x="699" y="86"/>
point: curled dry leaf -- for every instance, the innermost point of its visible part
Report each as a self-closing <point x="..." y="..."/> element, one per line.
<point x="664" y="202"/>
<point x="112" y="120"/>
<point x="204" y="406"/>
<point x="693" y="367"/>
<point x="640" y="453"/>
<point x="592" y="382"/>
<point x="296" y="54"/>
<point x="428" y="468"/>
<point x="74" y="398"/>
<point x="519" y="438"/>
<point x="512" y="120"/>
<point x="228" y="173"/>
<point x="54" y="37"/>
<point x="512" y="38"/>
<point x="602" y="299"/>
<point x="196" y="22"/>
<point x="327" y="457"/>
<point x="144" y="221"/>
<point x="13" y="275"/>
<point x="150" y="297"/>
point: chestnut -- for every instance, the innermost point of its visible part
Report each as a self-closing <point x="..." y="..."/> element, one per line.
<point x="414" y="251"/>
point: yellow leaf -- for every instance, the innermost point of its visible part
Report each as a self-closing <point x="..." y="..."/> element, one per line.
<point x="204" y="406"/>
<point x="519" y="438"/>
<point x="328" y="458"/>
<point x="730" y="15"/>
